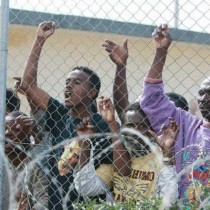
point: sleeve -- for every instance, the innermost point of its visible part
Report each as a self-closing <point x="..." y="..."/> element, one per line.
<point x="106" y="173"/>
<point x="158" y="108"/>
<point x="157" y="105"/>
<point x="88" y="183"/>
<point x="167" y="186"/>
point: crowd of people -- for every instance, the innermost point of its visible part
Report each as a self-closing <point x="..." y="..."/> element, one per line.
<point x="65" y="152"/>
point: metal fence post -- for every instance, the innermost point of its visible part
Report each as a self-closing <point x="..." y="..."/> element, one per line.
<point x="176" y="14"/>
<point x="4" y="20"/>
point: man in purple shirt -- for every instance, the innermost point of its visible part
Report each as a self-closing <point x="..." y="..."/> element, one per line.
<point x="193" y="139"/>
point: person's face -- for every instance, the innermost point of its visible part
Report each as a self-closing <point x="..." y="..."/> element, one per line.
<point x="14" y="134"/>
<point x="77" y="89"/>
<point x="137" y="121"/>
<point x="204" y="102"/>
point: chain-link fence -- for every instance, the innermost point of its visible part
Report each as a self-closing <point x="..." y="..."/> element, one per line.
<point x="88" y="124"/>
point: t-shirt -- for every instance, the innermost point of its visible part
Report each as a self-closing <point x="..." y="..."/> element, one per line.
<point x="149" y="176"/>
<point x="62" y="127"/>
<point x="141" y="182"/>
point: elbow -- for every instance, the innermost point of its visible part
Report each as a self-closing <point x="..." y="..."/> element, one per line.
<point x="26" y="88"/>
<point x="23" y="87"/>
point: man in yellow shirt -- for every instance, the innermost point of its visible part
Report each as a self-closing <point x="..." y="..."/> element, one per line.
<point x="137" y="167"/>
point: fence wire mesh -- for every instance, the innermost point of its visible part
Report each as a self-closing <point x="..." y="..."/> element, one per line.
<point x="88" y="123"/>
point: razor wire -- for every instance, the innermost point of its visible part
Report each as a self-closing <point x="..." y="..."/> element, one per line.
<point x="80" y="29"/>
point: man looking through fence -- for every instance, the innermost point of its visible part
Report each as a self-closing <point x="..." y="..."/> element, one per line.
<point x="81" y="89"/>
<point x="132" y="174"/>
<point x="18" y="130"/>
<point x="193" y="139"/>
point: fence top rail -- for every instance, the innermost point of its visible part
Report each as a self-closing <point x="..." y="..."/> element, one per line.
<point x="33" y="18"/>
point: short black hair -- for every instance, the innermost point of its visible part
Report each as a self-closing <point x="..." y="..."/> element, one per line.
<point x="137" y="108"/>
<point x="93" y="79"/>
<point x="134" y="106"/>
<point x="12" y="100"/>
<point x="178" y="100"/>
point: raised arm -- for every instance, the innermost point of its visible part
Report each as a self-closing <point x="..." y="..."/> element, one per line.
<point x="85" y="128"/>
<point x="167" y="139"/>
<point x="167" y="186"/>
<point x="153" y="101"/>
<point x="121" y="157"/>
<point x="38" y="96"/>
<point x="119" y="55"/>
<point x="162" y="40"/>
<point x="77" y="156"/>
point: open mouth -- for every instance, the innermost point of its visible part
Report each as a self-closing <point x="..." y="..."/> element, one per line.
<point x="68" y="94"/>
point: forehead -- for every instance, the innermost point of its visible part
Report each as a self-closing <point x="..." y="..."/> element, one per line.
<point x="132" y="116"/>
<point x="78" y="74"/>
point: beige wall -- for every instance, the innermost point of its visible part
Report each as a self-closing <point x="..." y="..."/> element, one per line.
<point x="187" y="63"/>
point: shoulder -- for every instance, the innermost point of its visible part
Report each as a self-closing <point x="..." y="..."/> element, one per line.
<point x="56" y="105"/>
<point x="55" y="102"/>
<point x="100" y="125"/>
